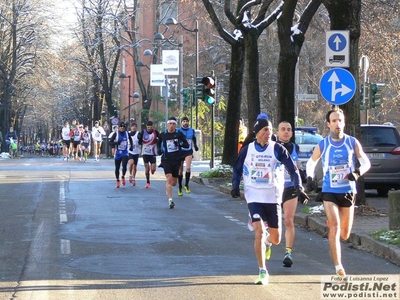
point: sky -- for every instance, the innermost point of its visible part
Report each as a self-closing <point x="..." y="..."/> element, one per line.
<point x="64" y="20"/>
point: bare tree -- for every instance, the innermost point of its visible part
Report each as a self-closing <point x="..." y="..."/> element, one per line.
<point x="244" y="59"/>
<point x="99" y="34"/>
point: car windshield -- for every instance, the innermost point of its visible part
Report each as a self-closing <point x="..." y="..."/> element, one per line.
<point x="307" y="138"/>
<point x="378" y="136"/>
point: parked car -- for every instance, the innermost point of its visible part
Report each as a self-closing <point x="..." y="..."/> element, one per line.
<point x="307" y="138"/>
<point x="381" y="143"/>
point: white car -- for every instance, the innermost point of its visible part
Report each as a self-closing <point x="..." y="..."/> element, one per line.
<point x="307" y="138"/>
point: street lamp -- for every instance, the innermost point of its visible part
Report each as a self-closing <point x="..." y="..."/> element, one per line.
<point x="172" y="21"/>
<point x="123" y="76"/>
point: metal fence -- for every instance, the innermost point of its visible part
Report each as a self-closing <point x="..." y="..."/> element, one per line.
<point x="218" y="146"/>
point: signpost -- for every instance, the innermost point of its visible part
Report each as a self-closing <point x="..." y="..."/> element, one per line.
<point x="337" y="48"/>
<point x="337" y="86"/>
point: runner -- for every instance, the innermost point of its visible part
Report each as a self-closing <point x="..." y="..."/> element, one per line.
<point x="97" y="136"/>
<point x="262" y="164"/>
<point x="122" y="144"/>
<point x="187" y="155"/>
<point x="86" y="139"/>
<point x="289" y="197"/>
<point x="169" y="145"/>
<point x="66" y="140"/>
<point x="148" y="140"/>
<point x="76" y="140"/>
<point x="338" y="152"/>
<point x="134" y="154"/>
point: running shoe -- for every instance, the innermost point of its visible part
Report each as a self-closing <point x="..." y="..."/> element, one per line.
<point x="180" y="193"/>
<point x="287" y="260"/>
<point x="341" y="275"/>
<point x="123" y="181"/>
<point x="147" y="185"/>
<point x="130" y="179"/>
<point x="171" y="204"/>
<point x="263" y="278"/>
<point x="187" y="190"/>
<point x="65" y="158"/>
<point x="118" y="184"/>
<point x="133" y="182"/>
<point x="152" y="172"/>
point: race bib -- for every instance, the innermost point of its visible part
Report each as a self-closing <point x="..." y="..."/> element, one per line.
<point x="171" y="147"/>
<point x="122" y="145"/>
<point x="338" y="176"/>
<point x="261" y="174"/>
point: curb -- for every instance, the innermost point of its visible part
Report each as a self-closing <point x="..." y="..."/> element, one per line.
<point x="315" y="223"/>
<point x="389" y="252"/>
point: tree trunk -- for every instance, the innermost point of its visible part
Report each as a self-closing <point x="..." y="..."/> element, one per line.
<point x="345" y="15"/>
<point x="233" y="108"/>
<point x="252" y="75"/>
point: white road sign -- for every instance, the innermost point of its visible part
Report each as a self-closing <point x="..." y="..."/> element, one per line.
<point x="307" y="97"/>
<point x="337" y="45"/>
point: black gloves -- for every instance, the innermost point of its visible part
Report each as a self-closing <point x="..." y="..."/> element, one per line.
<point x="196" y="148"/>
<point x="235" y="192"/>
<point x="302" y="196"/>
<point x="310" y="186"/>
<point x="353" y="176"/>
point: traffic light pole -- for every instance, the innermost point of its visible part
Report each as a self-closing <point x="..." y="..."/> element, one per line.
<point x="212" y="125"/>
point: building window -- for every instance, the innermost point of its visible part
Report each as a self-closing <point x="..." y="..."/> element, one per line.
<point x="169" y="9"/>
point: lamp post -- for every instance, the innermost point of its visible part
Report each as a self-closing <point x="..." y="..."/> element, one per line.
<point x="123" y="76"/>
<point x="172" y="21"/>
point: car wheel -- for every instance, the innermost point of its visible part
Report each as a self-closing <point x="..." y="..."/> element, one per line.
<point x="382" y="192"/>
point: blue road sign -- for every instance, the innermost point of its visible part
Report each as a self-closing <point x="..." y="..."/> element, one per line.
<point x="337" y="86"/>
<point x="337" y="42"/>
<point x="114" y="121"/>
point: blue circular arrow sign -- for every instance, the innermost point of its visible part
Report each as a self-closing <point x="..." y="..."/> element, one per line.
<point x="337" y="86"/>
<point x="337" y="42"/>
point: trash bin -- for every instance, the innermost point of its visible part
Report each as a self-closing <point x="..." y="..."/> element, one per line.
<point x="104" y="146"/>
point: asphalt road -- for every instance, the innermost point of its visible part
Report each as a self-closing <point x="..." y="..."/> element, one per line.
<point x="67" y="233"/>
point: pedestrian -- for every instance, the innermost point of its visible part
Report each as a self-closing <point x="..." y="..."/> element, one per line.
<point x="122" y="142"/>
<point x="338" y="152"/>
<point x="66" y="139"/>
<point x="169" y="145"/>
<point x="187" y="155"/>
<point x="134" y="153"/>
<point x="289" y="197"/>
<point x="262" y="164"/>
<point x="1" y="140"/>
<point x="97" y="136"/>
<point x="11" y="138"/>
<point x="148" y="139"/>
<point x="242" y="133"/>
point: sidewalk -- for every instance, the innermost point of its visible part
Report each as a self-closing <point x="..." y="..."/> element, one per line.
<point x="363" y="224"/>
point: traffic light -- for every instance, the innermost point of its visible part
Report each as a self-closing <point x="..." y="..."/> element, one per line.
<point x="375" y="94"/>
<point x="209" y="90"/>
<point x="199" y="90"/>
<point x="186" y="96"/>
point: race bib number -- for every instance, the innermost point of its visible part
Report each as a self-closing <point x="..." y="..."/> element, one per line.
<point x="148" y="150"/>
<point x="261" y="175"/>
<point x="171" y="147"/>
<point x="122" y="145"/>
<point x="338" y="176"/>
